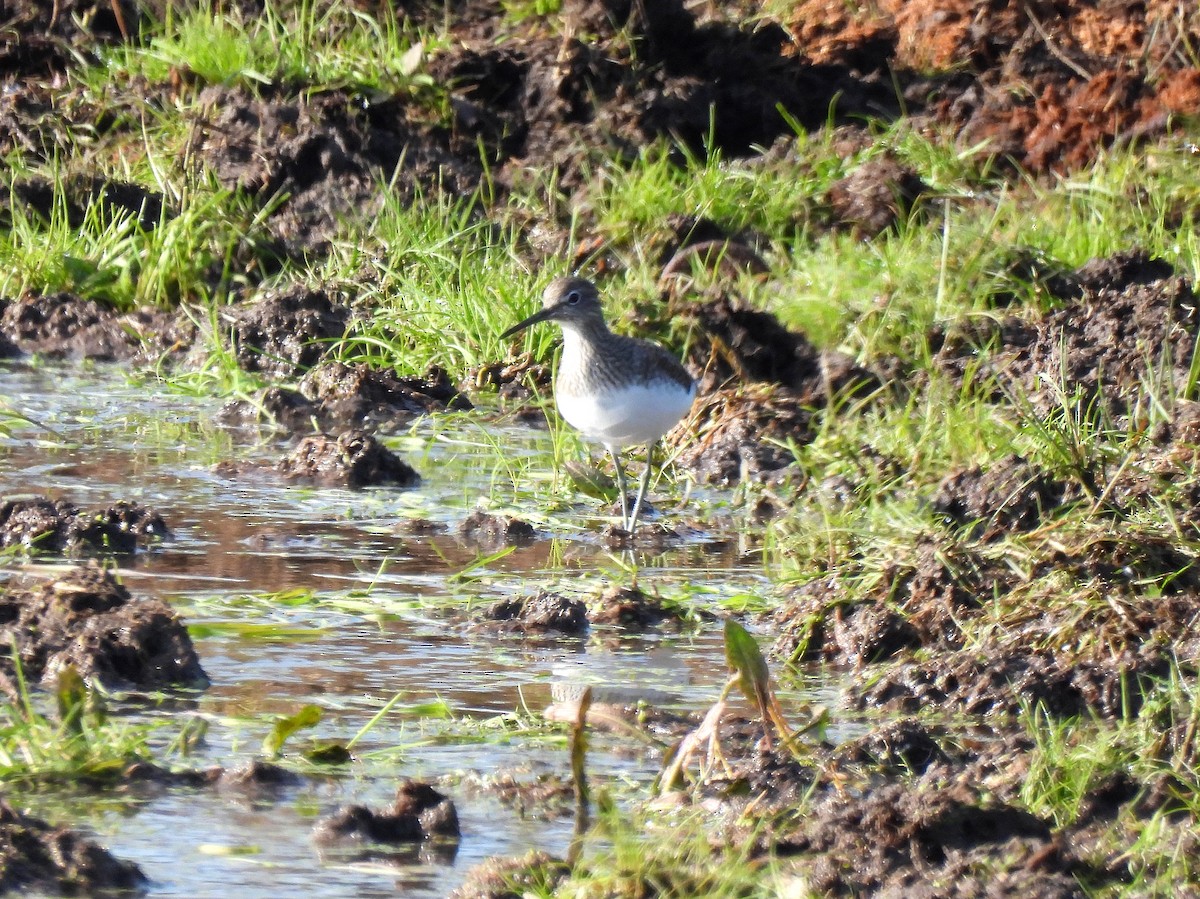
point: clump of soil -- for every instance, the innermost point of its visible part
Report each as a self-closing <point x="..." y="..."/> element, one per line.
<point x="1125" y="320"/>
<point x="731" y="434"/>
<point x="36" y="857"/>
<point x="504" y="878"/>
<point x="537" y="614"/>
<point x="1009" y="678"/>
<point x="629" y="607"/>
<point x="328" y="153"/>
<point x="895" y="838"/>
<point x="54" y="35"/>
<point x="875" y="196"/>
<point x="80" y="194"/>
<point x="895" y="748"/>
<point x="1011" y="495"/>
<point x="353" y="394"/>
<point x="419" y="813"/>
<point x="86" y="620"/>
<point x="58" y="526"/>
<point x="732" y="341"/>
<point x="918" y="601"/>
<point x="257" y="778"/>
<point x="353" y="459"/>
<point x="63" y="325"/>
<point x="495" y="530"/>
<point x="288" y="333"/>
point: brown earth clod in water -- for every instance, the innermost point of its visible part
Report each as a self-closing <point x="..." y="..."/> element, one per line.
<point x="58" y="526"/>
<point x="288" y="333"/>
<point x="496" y="530"/>
<point x="354" y="394"/>
<point x="540" y="613"/>
<point x="419" y="813"/>
<point x="63" y="325"/>
<point x="353" y="459"/>
<point x="86" y="620"/>
<point x="38" y="857"/>
<point x="629" y="607"/>
<point x="511" y="878"/>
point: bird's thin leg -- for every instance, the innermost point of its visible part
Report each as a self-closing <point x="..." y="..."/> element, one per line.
<point x="621" y="487"/>
<point x="637" y="503"/>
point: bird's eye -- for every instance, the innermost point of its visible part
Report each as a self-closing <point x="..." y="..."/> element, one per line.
<point x="573" y="298"/>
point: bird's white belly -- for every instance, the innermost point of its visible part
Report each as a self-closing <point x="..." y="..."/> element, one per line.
<point x="627" y="416"/>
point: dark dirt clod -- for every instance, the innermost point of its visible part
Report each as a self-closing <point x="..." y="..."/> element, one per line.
<point x="64" y="325"/>
<point x="328" y="152"/>
<point x="629" y="607"/>
<point x="875" y="196"/>
<point x="512" y="878"/>
<point x="895" y="748"/>
<point x="737" y="430"/>
<point x="52" y="34"/>
<point x="79" y="194"/>
<point x="257" y="778"/>
<point x="734" y="341"/>
<point x="496" y="530"/>
<point x="58" y="526"/>
<point x="900" y="840"/>
<point x="353" y="459"/>
<point x="36" y="857"/>
<point x="87" y="620"/>
<point x="283" y="407"/>
<point x="918" y="601"/>
<point x="419" y="813"/>
<point x="1011" y="495"/>
<point x="285" y="334"/>
<point x="354" y="394"/>
<point x="544" y="611"/>
<point x="1008" y="679"/>
<point x="1124" y="317"/>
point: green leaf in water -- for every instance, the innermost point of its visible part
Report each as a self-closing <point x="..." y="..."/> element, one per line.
<point x="434" y="708"/>
<point x="71" y="695"/>
<point x="309" y="716"/>
<point x="744" y="657"/>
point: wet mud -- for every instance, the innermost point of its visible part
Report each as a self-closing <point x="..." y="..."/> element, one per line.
<point x="36" y="857"/>
<point x="420" y="813"/>
<point x="353" y="459"/>
<point x="538" y="614"/>
<point x="1092" y="351"/>
<point x="86" y="620"/>
<point x="41" y="524"/>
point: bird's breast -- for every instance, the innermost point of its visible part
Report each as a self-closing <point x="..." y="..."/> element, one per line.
<point x="620" y="416"/>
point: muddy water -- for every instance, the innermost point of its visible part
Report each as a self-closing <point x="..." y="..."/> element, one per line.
<point x="366" y="613"/>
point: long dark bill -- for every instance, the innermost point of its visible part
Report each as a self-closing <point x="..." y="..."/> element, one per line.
<point x="539" y="316"/>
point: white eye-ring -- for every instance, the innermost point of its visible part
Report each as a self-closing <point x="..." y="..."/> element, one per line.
<point x="573" y="298"/>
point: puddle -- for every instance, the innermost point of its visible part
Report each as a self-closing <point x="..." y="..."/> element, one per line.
<point x="364" y="617"/>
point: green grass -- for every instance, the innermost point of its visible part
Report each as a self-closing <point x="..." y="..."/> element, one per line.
<point x="316" y="45"/>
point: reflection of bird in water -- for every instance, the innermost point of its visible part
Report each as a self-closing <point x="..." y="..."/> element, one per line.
<point x="617" y="391"/>
<point x="618" y="680"/>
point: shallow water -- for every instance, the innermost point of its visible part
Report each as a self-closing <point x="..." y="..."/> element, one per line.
<point x="374" y="612"/>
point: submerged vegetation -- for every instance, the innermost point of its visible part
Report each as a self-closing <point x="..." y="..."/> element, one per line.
<point x="948" y="425"/>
